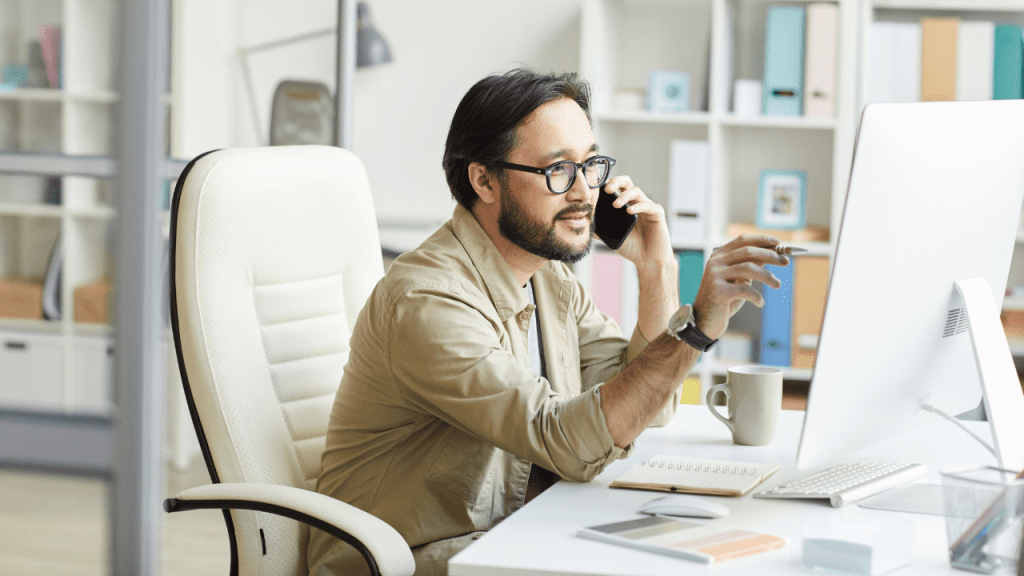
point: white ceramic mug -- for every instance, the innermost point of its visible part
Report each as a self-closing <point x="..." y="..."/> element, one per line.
<point x="753" y="395"/>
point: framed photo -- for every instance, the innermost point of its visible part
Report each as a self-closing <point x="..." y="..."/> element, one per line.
<point x="782" y="199"/>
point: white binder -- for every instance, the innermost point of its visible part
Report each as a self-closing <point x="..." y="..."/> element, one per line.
<point x="975" y="53"/>
<point x="894" y="62"/>
<point x="820" y="73"/>
<point x="688" y="193"/>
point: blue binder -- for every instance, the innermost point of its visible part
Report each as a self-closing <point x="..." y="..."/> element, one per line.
<point x="1007" y="82"/>
<point x="691" y="270"/>
<point x="784" y="61"/>
<point x="777" y="319"/>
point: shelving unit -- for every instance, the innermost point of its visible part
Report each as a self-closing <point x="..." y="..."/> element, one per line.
<point x="998" y="11"/>
<point x="58" y="365"/>
<point x="718" y="42"/>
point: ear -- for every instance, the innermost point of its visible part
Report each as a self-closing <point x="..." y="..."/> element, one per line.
<point x="484" y="183"/>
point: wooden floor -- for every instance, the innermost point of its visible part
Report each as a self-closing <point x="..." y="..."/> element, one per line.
<point x="54" y="524"/>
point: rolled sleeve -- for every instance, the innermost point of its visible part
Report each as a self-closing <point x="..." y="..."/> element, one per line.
<point x="587" y="427"/>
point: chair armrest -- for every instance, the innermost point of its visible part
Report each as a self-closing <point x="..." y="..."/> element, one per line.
<point x="389" y="550"/>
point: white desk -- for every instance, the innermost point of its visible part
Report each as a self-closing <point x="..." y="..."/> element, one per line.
<point x="540" y="538"/>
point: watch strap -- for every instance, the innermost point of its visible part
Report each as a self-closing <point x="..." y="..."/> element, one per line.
<point x="694" y="337"/>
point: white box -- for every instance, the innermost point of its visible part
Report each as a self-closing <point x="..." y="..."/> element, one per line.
<point x="746" y="98"/>
<point x="859" y="548"/>
<point x="94" y="374"/>
<point x="31" y="371"/>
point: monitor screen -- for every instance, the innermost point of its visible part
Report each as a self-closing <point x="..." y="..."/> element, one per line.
<point x="934" y="198"/>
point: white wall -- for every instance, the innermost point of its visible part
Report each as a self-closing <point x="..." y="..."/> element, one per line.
<point x="403" y="109"/>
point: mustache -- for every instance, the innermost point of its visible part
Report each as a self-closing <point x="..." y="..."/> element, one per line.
<point x="576" y="211"/>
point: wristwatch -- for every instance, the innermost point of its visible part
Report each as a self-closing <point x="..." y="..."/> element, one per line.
<point x="683" y="326"/>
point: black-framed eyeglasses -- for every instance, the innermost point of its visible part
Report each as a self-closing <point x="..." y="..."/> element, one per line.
<point x="562" y="174"/>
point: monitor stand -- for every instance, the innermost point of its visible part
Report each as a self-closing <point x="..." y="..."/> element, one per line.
<point x="1000" y="385"/>
<point x="1001" y="393"/>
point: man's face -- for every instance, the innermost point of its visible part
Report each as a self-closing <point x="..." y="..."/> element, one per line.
<point x="552" y="226"/>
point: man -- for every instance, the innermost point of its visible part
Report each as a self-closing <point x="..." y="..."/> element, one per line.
<point x="480" y="369"/>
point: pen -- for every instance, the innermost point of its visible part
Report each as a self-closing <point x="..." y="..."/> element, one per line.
<point x="790" y="250"/>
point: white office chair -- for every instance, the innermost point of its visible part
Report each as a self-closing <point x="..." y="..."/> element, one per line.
<point x="273" y="253"/>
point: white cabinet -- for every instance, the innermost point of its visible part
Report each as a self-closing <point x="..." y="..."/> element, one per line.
<point x="93" y="378"/>
<point x="31" y="371"/>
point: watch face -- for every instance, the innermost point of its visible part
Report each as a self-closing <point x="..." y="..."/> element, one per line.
<point x="679" y="320"/>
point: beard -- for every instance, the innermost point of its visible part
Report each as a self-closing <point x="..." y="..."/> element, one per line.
<point x="537" y="238"/>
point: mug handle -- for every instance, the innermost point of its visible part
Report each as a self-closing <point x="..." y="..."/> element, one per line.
<point x="724" y="389"/>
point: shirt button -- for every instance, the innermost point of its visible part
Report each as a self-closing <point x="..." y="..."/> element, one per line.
<point x="524" y="316"/>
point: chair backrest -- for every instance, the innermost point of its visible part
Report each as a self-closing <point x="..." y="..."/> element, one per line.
<point x="274" y="252"/>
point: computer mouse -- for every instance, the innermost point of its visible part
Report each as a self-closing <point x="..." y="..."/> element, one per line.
<point x="684" y="505"/>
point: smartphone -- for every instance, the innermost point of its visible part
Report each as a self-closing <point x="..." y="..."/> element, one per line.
<point x="612" y="224"/>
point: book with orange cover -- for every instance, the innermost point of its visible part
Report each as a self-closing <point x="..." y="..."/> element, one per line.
<point x="710" y="543"/>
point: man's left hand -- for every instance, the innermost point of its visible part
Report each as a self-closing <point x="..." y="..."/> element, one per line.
<point x="649" y="242"/>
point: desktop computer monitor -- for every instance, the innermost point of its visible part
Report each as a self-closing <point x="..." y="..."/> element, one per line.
<point x="934" y="199"/>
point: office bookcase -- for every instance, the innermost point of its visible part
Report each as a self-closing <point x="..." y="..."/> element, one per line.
<point x="997" y="11"/>
<point x="718" y="42"/>
<point x="64" y="365"/>
<point x="57" y="364"/>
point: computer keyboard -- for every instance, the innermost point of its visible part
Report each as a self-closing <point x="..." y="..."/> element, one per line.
<point x="844" y="484"/>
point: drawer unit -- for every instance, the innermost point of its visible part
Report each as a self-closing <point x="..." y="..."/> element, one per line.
<point x="31" y="371"/>
<point x="93" y="378"/>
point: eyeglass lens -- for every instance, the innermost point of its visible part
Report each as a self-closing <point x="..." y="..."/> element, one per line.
<point x="562" y="175"/>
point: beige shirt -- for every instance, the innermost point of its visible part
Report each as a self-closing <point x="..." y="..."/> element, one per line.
<point x="439" y="417"/>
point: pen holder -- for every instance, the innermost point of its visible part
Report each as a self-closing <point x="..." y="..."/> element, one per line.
<point x="984" y="508"/>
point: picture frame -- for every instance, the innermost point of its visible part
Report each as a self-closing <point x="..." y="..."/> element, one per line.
<point x="782" y="199"/>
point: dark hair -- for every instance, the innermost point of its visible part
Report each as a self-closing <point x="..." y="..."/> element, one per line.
<point x="484" y="126"/>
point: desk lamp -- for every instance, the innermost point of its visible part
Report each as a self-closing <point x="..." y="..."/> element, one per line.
<point x="302" y="111"/>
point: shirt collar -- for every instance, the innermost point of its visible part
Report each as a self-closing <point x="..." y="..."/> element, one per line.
<point x="505" y="291"/>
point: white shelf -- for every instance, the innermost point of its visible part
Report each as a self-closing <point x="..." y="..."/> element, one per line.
<point x="93" y="97"/>
<point x="1013" y="303"/>
<point x="705" y="119"/>
<point x="35" y="326"/>
<point x="789" y="122"/>
<point x="91" y="329"/>
<point x="33" y="95"/>
<point x="56" y="95"/>
<point x="952" y="5"/>
<point x="30" y="209"/>
<point x="94" y="213"/>
<point x="644" y="116"/>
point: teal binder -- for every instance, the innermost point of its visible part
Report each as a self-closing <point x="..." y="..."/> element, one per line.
<point x="1008" y="64"/>
<point x="777" y="319"/>
<point x="691" y="270"/>
<point x="784" y="61"/>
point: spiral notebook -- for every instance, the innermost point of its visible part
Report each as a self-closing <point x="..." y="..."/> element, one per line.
<point x="695" y="476"/>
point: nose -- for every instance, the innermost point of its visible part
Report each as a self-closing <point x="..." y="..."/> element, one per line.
<point x="579" y="191"/>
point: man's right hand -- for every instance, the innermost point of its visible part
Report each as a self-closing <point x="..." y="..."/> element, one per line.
<point x="728" y="280"/>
